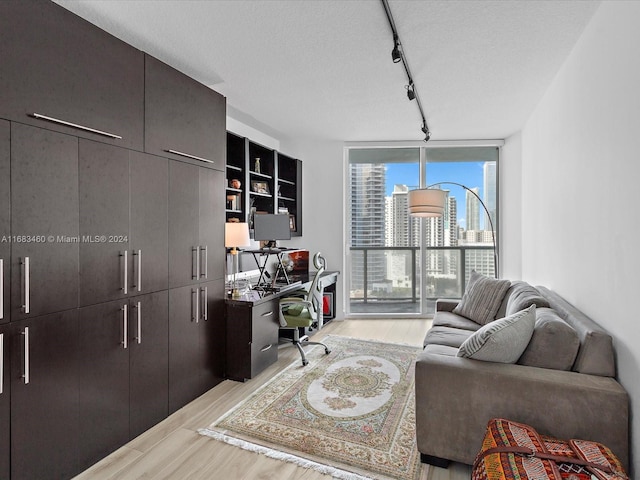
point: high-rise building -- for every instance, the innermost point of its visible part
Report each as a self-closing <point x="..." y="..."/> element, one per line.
<point x="489" y="190"/>
<point x="367" y="222"/>
<point x="473" y="210"/>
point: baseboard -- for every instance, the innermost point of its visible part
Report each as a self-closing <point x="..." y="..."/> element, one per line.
<point x="435" y="461"/>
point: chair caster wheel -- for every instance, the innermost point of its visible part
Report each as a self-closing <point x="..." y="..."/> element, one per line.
<point x="327" y="351"/>
<point x="305" y="363"/>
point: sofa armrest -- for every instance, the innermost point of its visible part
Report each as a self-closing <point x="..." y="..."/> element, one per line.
<point x="446" y="305"/>
<point x="456" y="397"/>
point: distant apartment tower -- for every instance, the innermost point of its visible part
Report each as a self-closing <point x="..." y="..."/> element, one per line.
<point x="490" y="193"/>
<point x="473" y="210"/>
<point x="367" y="222"/>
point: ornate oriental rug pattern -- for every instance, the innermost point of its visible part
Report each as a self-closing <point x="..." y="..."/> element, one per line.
<point x="350" y="411"/>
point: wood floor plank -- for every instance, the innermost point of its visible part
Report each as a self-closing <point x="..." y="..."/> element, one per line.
<point x="174" y="450"/>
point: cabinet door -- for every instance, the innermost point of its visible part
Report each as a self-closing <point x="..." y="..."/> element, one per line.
<point x="184" y="116"/>
<point x="264" y="341"/>
<point x="213" y="333"/>
<point x="5" y="403"/>
<point x="104" y="222"/>
<point x="184" y="217"/>
<point x="148" y="231"/>
<point x="186" y="379"/>
<point x="104" y="376"/>
<point x="212" y="218"/>
<point x="148" y="361"/>
<point x="44" y="397"/>
<point x="44" y="221"/>
<point x="56" y="64"/>
<point x="5" y="223"/>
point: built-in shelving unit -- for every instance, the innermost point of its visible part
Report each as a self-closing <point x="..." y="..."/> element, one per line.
<point x="260" y="179"/>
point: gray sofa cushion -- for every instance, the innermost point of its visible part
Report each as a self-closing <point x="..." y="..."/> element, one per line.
<point x="448" y="319"/>
<point x="503" y="340"/>
<point x="554" y="343"/>
<point x="521" y="295"/>
<point x="482" y="298"/>
<point x="442" y="350"/>
<point x="452" y="337"/>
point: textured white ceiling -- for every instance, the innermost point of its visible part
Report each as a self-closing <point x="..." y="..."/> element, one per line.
<point x="323" y="69"/>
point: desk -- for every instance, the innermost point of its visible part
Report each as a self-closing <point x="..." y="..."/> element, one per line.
<point x="278" y="252"/>
<point x="253" y="327"/>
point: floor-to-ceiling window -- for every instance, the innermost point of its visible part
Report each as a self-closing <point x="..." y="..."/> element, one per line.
<point x="398" y="264"/>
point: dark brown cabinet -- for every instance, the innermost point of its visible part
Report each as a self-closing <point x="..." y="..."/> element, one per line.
<point x="196" y="341"/>
<point x="123" y="222"/>
<point x="123" y="372"/>
<point x="44" y="396"/>
<point x="44" y="221"/>
<point x="252" y="338"/>
<point x="184" y="119"/>
<point x="196" y="216"/>
<point x="5" y="404"/>
<point x="58" y="65"/>
<point x="5" y="222"/>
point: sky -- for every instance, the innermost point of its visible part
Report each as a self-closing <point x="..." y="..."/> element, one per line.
<point x="466" y="173"/>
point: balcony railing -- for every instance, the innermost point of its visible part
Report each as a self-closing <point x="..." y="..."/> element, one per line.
<point x="388" y="279"/>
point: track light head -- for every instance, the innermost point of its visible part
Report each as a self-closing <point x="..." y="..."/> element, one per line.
<point x="396" y="55"/>
<point x="411" y="94"/>
<point x="427" y="133"/>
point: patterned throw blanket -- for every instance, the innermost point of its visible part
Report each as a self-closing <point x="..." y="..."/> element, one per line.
<point x="512" y="450"/>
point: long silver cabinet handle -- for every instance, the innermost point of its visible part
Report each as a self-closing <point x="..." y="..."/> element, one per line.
<point x="195" y="305"/>
<point x="25" y="375"/>
<point x="125" y="326"/>
<point x="125" y="269"/>
<point x="138" y="272"/>
<point x="204" y="294"/>
<point x="1" y="292"/>
<point x="187" y="155"/>
<point x="1" y="363"/>
<point x="205" y="257"/>
<point x="75" y="125"/>
<point x="139" y="323"/>
<point x="195" y="263"/>
<point x="26" y="285"/>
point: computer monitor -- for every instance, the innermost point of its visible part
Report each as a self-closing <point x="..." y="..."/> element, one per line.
<point x="270" y="227"/>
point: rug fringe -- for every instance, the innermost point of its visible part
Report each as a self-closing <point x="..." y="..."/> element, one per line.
<point x="287" y="457"/>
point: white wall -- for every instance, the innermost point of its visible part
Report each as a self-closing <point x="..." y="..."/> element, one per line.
<point x="510" y="221"/>
<point x="580" y="195"/>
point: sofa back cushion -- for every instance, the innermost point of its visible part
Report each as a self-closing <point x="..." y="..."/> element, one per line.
<point x="482" y="298"/>
<point x="554" y="343"/>
<point x="595" y="355"/>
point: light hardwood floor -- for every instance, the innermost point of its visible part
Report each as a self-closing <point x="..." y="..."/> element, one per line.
<point x="174" y="450"/>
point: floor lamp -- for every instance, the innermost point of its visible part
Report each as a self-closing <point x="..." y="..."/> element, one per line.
<point x="236" y="234"/>
<point x="429" y="202"/>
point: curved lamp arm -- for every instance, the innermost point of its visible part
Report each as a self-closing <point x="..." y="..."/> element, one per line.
<point x="493" y="232"/>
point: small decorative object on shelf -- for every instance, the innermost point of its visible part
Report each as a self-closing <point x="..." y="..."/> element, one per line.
<point x="257" y="166"/>
<point x="260" y="187"/>
<point x="235" y="183"/>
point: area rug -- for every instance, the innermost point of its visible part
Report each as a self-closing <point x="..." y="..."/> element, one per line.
<point x="349" y="414"/>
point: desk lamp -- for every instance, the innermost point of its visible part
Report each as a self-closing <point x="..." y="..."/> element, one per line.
<point x="236" y="235"/>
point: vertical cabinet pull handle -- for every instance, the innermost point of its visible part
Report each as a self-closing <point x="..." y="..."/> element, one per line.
<point x="1" y="292"/>
<point x="125" y="326"/>
<point x="195" y="263"/>
<point x="195" y="305"/>
<point x="26" y="285"/>
<point x="139" y="322"/>
<point x="205" y="257"/>
<point x="1" y="363"/>
<point x="25" y="374"/>
<point x="205" y="307"/>
<point x="137" y="270"/>
<point x="125" y="269"/>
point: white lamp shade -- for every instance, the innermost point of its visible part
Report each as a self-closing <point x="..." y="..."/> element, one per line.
<point x="236" y="234"/>
<point x="427" y="202"/>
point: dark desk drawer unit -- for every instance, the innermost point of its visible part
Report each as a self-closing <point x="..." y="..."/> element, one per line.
<point x="252" y="338"/>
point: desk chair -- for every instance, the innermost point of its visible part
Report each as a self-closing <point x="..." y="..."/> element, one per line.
<point x="303" y="311"/>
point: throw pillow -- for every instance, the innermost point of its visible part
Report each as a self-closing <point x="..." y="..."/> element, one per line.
<point x="501" y="341"/>
<point x="521" y="295"/>
<point x="482" y="298"/>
